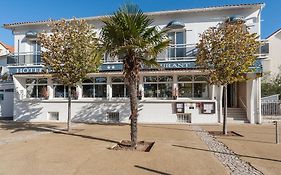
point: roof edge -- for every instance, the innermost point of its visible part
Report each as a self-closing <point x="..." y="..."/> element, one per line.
<point x="211" y="8"/>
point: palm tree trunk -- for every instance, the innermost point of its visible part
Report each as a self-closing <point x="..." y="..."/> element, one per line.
<point x="134" y="111"/>
<point x="69" y="110"/>
<point x="225" y="110"/>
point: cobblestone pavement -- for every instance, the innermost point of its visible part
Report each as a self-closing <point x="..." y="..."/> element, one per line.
<point x="227" y="157"/>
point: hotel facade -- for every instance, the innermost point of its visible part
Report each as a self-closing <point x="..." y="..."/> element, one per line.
<point x="177" y="93"/>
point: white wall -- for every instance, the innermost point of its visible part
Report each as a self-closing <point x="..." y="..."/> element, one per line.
<point x="195" y="24"/>
<point x="6" y="105"/>
<point x="272" y="64"/>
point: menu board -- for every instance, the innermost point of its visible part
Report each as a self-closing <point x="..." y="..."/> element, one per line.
<point x="179" y="107"/>
<point x="208" y="108"/>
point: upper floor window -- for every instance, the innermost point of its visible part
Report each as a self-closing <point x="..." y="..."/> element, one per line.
<point x="177" y="48"/>
<point x="36" y="88"/>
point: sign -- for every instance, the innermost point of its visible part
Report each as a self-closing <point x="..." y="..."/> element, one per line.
<point x="24" y="69"/>
<point x="179" y="107"/>
<point x="208" y="107"/>
<point x="166" y="65"/>
<point x="178" y="65"/>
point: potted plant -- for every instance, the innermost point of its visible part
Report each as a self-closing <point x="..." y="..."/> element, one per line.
<point x="45" y="93"/>
<point x="175" y="94"/>
<point x="75" y="94"/>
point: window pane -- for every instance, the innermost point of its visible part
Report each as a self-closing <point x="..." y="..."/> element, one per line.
<point x="56" y="81"/>
<point x="179" y="38"/>
<point x="171" y="36"/>
<point x="42" y="91"/>
<point x="117" y="79"/>
<point x="200" y="78"/>
<point x="200" y="90"/>
<point x="118" y="90"/>
<point x="171" y="52"/>
<point x="100" y="90"/>
<point x="88" y="80"/>
<point x="100" y="80"/>
<point x="74" y="93"/>
<point x="185" y="89"/>
<point x="165" y="90"/>
<point x="150" y="90"/>
<point x="180" y="52"/>
<point x="42" y="81"/>
<point x="87" y="91"/>
<point x="165" y="79"/>
<point x="31" y="91"/>
<point x="59" y="91"/>
<point x="184" y="78"/>
<point x="31" y="81"/>
<point x="150" y="79"/>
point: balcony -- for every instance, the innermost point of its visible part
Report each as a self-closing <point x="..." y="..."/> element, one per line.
<point x="24" y="59"/>
<point x="173" y="53"/>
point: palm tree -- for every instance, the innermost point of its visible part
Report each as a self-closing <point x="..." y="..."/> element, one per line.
<point x="129" y="35"/>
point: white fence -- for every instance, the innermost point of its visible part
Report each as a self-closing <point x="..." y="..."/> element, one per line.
<point x="271" y="108"/>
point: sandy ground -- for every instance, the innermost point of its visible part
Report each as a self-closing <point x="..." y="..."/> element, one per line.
<point x="85" y="151"/>
<point x="257" y="146"/>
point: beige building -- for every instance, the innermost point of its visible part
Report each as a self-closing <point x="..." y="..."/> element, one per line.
<point x="272" y="49"/>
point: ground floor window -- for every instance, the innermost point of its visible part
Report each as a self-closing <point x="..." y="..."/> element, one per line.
<point x="158" y="86"/>
<point x="36" y="88"/>
<point x="61" y="91"/>
<point x="94" y="87"/>
<point x="119" y="88"/>
<point x="193" y="87"/>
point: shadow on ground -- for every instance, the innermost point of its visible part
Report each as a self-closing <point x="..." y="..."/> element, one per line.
<point x="26" y="126"/>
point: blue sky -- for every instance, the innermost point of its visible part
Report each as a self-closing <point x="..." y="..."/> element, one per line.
<point x="33" y="10"/>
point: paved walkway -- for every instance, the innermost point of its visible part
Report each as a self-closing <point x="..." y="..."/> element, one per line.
<point x="85" y="152"/>
<point x="226" y="156"/>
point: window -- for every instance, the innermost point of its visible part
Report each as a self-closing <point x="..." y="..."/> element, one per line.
<point x="53" y="116"/>
<point x="193" y="86"/>
<point x="177" y="48"/>
<point x="61" y="91"/>
<point x="36" y="88"/>
<point x="158" y="87"/>
<point x="94" y="87"/>
<point x="118" y="87"/>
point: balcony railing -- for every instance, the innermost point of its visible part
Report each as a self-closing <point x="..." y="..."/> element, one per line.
<point x="173" y="52"/>
<point x="24" y="58"/>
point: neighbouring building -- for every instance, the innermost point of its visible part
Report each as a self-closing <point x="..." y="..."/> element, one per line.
<point x="103" y="96"/>
<point x="271" y="65"/>
<point x="6" y="83"/>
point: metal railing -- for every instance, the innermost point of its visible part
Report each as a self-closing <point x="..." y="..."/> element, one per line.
<point x="271" y="108"/>
<point x="24" y="58"/>
<point x="173" y="52"/>
<point x="178" y="52"/>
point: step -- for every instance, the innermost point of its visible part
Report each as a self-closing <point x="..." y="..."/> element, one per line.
<point x="237" y="120"/>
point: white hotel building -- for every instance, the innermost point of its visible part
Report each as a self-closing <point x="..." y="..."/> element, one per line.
<point x="102" y="97"/>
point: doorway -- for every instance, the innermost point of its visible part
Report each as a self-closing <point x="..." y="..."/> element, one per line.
<point x="231" y="96"/>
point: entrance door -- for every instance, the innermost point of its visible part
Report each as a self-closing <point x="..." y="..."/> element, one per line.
<point x="231" y="96"/>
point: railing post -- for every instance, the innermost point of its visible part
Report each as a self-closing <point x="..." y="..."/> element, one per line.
<point x="276" y="132"/>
